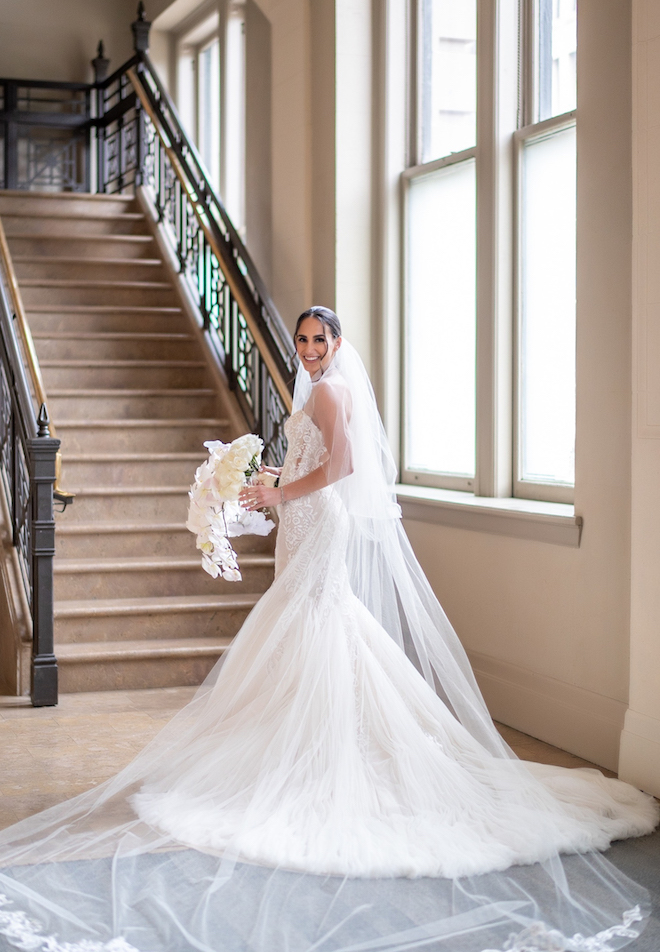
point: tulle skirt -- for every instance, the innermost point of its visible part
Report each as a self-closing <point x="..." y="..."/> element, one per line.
<point x="317" y="794"/>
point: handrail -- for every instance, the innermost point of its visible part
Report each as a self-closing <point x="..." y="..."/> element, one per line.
<point x="239" y="292"/>
<point x="31" y="359"/>
<point x="277" y="326"/>
<point x="19" y="311"/>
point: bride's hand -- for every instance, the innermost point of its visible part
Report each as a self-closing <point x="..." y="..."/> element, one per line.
<point x="259" y="497"/>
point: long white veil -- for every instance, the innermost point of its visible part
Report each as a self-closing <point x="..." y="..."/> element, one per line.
<point x="89" y="875"/>
<point x="384" y="572"/>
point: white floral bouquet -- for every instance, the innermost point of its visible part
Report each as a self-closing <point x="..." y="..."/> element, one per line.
<point x="214" y="514"/>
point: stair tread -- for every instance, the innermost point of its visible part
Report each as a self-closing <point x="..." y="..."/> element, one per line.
<point x="68" y="216"/>
<point x="131" y="490"/>
<point x="54" y="236"/>
<point x="158" y="604"/>
<point x="79" y="283"/>
<point x="147" y="392"/>
<point x="99" y="197"/>
<point x="101" y="309"/>
<point x="137" y="650"/>
<point x="141" y="422"/>
<point x="111" y="335"/>
<point x="112" y="528"/>
<point x="148" y="563"/>
<point x="123" y="363"/>
<point x="64" y="259"/>
<point x="134" y="457"/>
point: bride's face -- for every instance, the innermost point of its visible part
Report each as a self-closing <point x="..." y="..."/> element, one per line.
<point x="315" y="346"/>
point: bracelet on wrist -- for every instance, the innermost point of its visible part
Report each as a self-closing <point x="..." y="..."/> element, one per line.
<point x="282" y="495"/>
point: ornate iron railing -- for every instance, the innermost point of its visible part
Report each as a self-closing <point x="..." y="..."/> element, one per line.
<point x="45" y="135"/>
<point x="27" y="469"/>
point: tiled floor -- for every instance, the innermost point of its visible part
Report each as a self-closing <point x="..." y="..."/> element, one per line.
<point x="49" y="754"/>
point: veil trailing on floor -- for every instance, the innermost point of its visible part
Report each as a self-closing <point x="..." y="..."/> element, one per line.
<point x="92" y="875"/>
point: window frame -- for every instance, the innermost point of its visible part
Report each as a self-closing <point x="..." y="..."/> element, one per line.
<point x="506" y="120"/>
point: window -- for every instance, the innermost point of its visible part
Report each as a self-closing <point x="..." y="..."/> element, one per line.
<point x="198" y="91"/>
<point x="546" y="162"/>
<point x="440" y="333"/>
<point x="509" y="430"/>
<point x="211" y="101"/>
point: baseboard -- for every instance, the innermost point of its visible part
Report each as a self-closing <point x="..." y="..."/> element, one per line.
<point x="564" y="715"/>
<point x="640" y="752"/>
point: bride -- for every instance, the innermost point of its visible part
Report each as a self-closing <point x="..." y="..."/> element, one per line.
<point x="336" y="783"/>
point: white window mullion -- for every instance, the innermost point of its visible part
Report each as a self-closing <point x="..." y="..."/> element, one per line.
<point x="497" y="104"/>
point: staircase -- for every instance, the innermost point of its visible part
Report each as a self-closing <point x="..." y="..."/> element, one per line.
<point x="132" y="397"/>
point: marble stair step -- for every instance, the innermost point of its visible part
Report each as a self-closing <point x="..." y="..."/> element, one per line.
<point x="150" y="619"/>
<point x="115" y="345"/>
<point x="126" y="665"/>
<point x="68" y="225"/>
<point x="152" y="576"/>
<point x="132" y="504"/>
<point x="56" y="267"/>
<point x="80" y="204"/>
<point x="92" y="435"/>
<point x="105" y="319"/>
<point x="129" y="247"/>
<point x="130" y="469"/>
<point x="62" y="291"/>
<point x="132" y="404"/>
<point x="99" y="540"/>
<point x="110" y="374"/>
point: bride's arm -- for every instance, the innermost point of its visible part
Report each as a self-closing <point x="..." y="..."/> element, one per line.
<point x="330" y="413"/>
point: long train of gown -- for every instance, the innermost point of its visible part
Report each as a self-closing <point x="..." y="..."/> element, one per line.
<point x="321" y="748"/>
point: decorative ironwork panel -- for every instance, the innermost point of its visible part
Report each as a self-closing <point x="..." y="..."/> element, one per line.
<point x="22" y="514"/>
<point x="274" y="416"/>
<point x="6" y="438"/>
<point x="51" y="160"/>
<point x="119" y="143"/>
<point x="60" y="100"/>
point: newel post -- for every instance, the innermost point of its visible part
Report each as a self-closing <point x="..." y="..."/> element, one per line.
<point x="140" y="28"/>
<point x="100" y="64"/>
<point x="42" y="450"/>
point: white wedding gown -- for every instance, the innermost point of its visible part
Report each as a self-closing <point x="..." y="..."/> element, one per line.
<point x="324" y="749"/>
<point x="322" y="792"/>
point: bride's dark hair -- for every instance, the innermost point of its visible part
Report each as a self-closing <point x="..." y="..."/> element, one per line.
<point x="327" y="317"/>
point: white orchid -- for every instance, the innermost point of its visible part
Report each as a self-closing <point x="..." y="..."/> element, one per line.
<point x="214" y="513"/>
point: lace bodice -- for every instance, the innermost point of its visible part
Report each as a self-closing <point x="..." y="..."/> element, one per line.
<point x="306" y="449"/>
<point x="299" y="517"/>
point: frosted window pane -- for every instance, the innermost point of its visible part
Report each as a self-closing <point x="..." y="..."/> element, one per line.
<point x="548" y="312"/>
<point x="447" y="77"/>
<point x="441" y="328"/>
<point x="556" y="61"/>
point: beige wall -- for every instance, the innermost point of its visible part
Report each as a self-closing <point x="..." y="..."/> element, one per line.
<point x="57" y="39"/>
<point x="548" y="618"/>
<point x="640" y="746"/>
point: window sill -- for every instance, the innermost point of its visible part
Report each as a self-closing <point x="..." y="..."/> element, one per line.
<point x="552" y="522"/>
